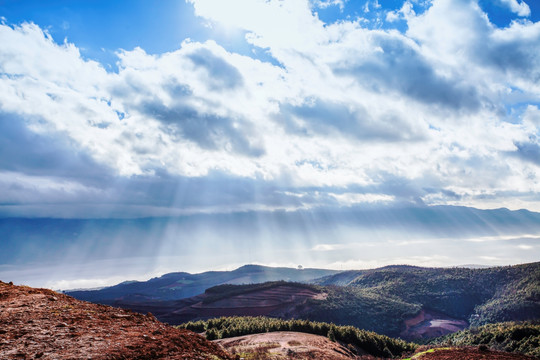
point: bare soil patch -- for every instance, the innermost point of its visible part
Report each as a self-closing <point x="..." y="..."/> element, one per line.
<point x="470" y="353"/>
<point x="430" y="324"/>
<point x="43" y="324"/>
<point x="280" y="301"/>
<point x="288" y="345"/>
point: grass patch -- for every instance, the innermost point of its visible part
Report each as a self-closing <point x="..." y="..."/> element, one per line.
<point x="420" y="354"/>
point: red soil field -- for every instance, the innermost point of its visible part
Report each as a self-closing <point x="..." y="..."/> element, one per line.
<point x="429" y="324"/>
<point x="43" y="324"/>
<point x="470" y="353"/>
<point x="280" y="301"/>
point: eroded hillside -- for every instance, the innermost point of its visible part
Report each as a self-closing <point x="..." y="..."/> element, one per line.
<point x="43" y="324"/>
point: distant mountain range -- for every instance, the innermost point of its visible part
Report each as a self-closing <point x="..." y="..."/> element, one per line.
<point x="406" y="301"/>
<point x="180" y="285"/>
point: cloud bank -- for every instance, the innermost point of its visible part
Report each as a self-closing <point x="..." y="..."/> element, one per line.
<point x="445" y="112"/>
<point x="355" y="142"/>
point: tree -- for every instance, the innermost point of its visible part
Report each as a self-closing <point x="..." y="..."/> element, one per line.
<point x="331" y="335"/>
<point x="212" y="334"/>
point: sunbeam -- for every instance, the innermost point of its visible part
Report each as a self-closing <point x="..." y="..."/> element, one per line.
<point x="208" y="137"/>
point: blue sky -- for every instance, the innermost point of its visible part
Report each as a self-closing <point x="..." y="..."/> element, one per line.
<point x="202" y="134"/>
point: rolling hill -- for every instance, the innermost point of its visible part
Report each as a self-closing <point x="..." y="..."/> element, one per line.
<point x="179" y="285"/>
<point x="405" y="301"/>
<point x="40" y="323"/>
<point x="522" y="337"/>
<point x="251" y="337"/>
<point x="478" y="296"/>
<point x="409" y="302"/>
<point x="43" y="324"/>
<point x="358" y="342"/>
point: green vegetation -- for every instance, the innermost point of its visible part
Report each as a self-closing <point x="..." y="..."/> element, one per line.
<point x="419" y="355"/>
<point x="380" y="300"/>
<point x="479" y="296"/>
<point x="521" y="337"/>
<point x="377" y="300"/>
<point x="260" y="352"/>
<point x="361" y="308"/>
<point x="518" y="300"/>
<point x="370" y="342"/>
<point x="349" y="305"/>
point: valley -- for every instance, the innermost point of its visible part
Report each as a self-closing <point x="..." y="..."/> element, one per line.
<point x="43" y="324"/>
<point x="413" y="303"/>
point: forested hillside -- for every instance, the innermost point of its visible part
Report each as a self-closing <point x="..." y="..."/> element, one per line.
<point x="479" y="296"/>
<point x="522" y="337"/>
<point x="399" y="301"/>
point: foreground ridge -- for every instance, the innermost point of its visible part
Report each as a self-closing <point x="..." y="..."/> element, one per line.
<point x="43" y="324"/>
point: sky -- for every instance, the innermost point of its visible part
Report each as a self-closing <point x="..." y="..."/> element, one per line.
<point x="142" y="137"/>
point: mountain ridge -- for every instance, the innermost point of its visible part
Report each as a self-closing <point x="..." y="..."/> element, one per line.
<point x="179" y="285"/>
<point x="398" y="300"/>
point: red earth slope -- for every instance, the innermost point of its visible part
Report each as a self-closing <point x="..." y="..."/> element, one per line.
<point x="429" y="324"/>
<point x="469" y="353"/>
<point x="289" y="345"/>
<point x="283" y="301"/>
<point x="43" y="324"/>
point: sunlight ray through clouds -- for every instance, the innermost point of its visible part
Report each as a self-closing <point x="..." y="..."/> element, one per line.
<point x="274" y="131"/>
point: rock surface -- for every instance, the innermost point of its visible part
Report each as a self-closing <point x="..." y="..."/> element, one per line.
<point x="43" y="324"/>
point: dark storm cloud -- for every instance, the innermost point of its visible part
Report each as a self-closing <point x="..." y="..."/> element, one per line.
<point x="27" y="152"/>
<point x="323" y="117"/>
<point x="400" y="68"/>
<point x="529" y="151"/>
<point x="158" y="195"/>
<point x="209" y="131"/>
<point x="221" y="74"/>
<point x="402" y="188"/>
<point x="176" y="89"/>
<point x="518" y="56"/>
<point x="215" y="189"/>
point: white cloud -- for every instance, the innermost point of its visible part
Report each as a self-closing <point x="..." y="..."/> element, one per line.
<point x="505" y="238"/>
<point x="347" y="107"/>
<point x="349" y="199"/>
<point x="519" y="7"/>
<point x="427" y="261"/>
<point x="531" y="116"/>
<point x="323" y="4"/>
<point x="298" y="27"/>
<point x="406" y="12"/>
<point x="330" y="247"/>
